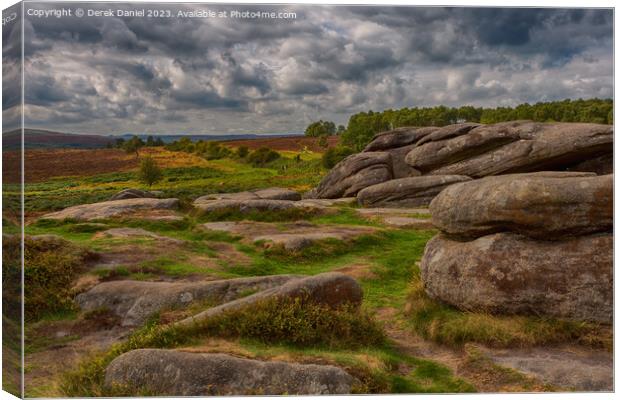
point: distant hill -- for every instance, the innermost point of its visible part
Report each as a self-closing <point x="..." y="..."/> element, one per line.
<point x="217" y="138"/>
<point x="39" y="138"/>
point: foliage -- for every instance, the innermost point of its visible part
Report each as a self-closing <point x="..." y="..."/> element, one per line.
<point x="363" y="126"/>
<point x="133" y="145"/>
<point x="243" y="151"/>
<point x="334" y="155"/>
<point x="320" y="128"/>
<point x="263" y="156"/>
<point x="149" y="172"/>
<point x="298" y="322"/>
<point x="51" y="264"/>
<point x="152" y="142"/>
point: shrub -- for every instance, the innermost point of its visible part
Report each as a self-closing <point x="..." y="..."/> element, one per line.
<point x="263" y="156"/>
<point x="51" y="264"/>
<point x="334" y="155"/>
<point x="243" y="151"/>
<point x="149" y="172"/>
<point x="298" y="322"/>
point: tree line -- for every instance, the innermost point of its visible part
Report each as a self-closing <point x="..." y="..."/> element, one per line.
<point x="364" y="125"/>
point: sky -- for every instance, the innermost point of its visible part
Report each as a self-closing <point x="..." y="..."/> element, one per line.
<point x="216" y="75"/>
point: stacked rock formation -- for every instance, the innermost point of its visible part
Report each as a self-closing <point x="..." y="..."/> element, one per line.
<point x="426" y="160"/>
<point x="537" y="244"/>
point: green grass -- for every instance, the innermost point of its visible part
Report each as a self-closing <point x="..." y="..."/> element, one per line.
<point x="447" y="325"/>
<point x="185" y="183"/>
<point x="344" y="336"/>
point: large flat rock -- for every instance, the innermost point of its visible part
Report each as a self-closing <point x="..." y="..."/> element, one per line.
<point x="292" y="236"/>
<point x="332" y="289"/>
<point x="176" y="373"/>
<point x="507" y="273"/>
<point x="273" y="193"/>
<point x="258" y="205"/>
<point x="114" y="208"/>
<point x="135" y="301"/>
<point x="543" y="205"/>
<point x="407" y="192"/>
<point x="572" y="368"/>
<point x="128" y="233"/>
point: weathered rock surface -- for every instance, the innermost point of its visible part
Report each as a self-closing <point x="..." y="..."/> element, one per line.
<point x="543" y="205"/>
<point x="400" y="168"/>
<point x="332" y="289"/>
<point x="407" y="192"/>
<point x="115" y="208"/>
<point x="513" y="147"/>
<point x="248" y="206"/>
<point x="292" y="236"/>
<point x="435" y="154"/>
<point x="133" y="194"/>
<point x="398" y="137"/>
<point x="509" y="273"/>
<point x="176" y="373"/>
<point x="273" y="193"/>
<point x="135" y="301"/>
<point x="407" y="222"/>
<point x="355" y="173"/>
<point x="345" y="201"/>
<point x="240" y="196"/>
<point x="124" y="233"/>
<point x="573" y="368"/>
<point x="276" y="193"/>
<point x="448" y="132"/>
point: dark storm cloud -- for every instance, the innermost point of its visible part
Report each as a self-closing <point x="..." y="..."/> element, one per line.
<point x="224" y="75"/>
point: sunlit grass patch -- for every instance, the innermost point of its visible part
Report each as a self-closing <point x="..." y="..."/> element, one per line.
<point x="447" y="325"/>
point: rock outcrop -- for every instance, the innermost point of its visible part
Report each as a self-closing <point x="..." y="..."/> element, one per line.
<point x="332" y="289"/>
<point x="114" y="208"/>
<point x="473" y="150"/>
<point x="135" y="301"/>
<point x="355" y="173"/>
<point x="177" y="373"/>
<point x="538" y="243"/>
<point x="513" y="147"/>
<point x="407" y="192"/>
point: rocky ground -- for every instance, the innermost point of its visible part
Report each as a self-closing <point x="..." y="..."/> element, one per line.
<point x="263" y="292"/>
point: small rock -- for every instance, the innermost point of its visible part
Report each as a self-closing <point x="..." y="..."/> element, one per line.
<point x="276" y="193"/>
<point x="133" y="194"/>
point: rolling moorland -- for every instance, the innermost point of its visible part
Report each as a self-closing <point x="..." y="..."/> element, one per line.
<point x="106" y="281"/>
